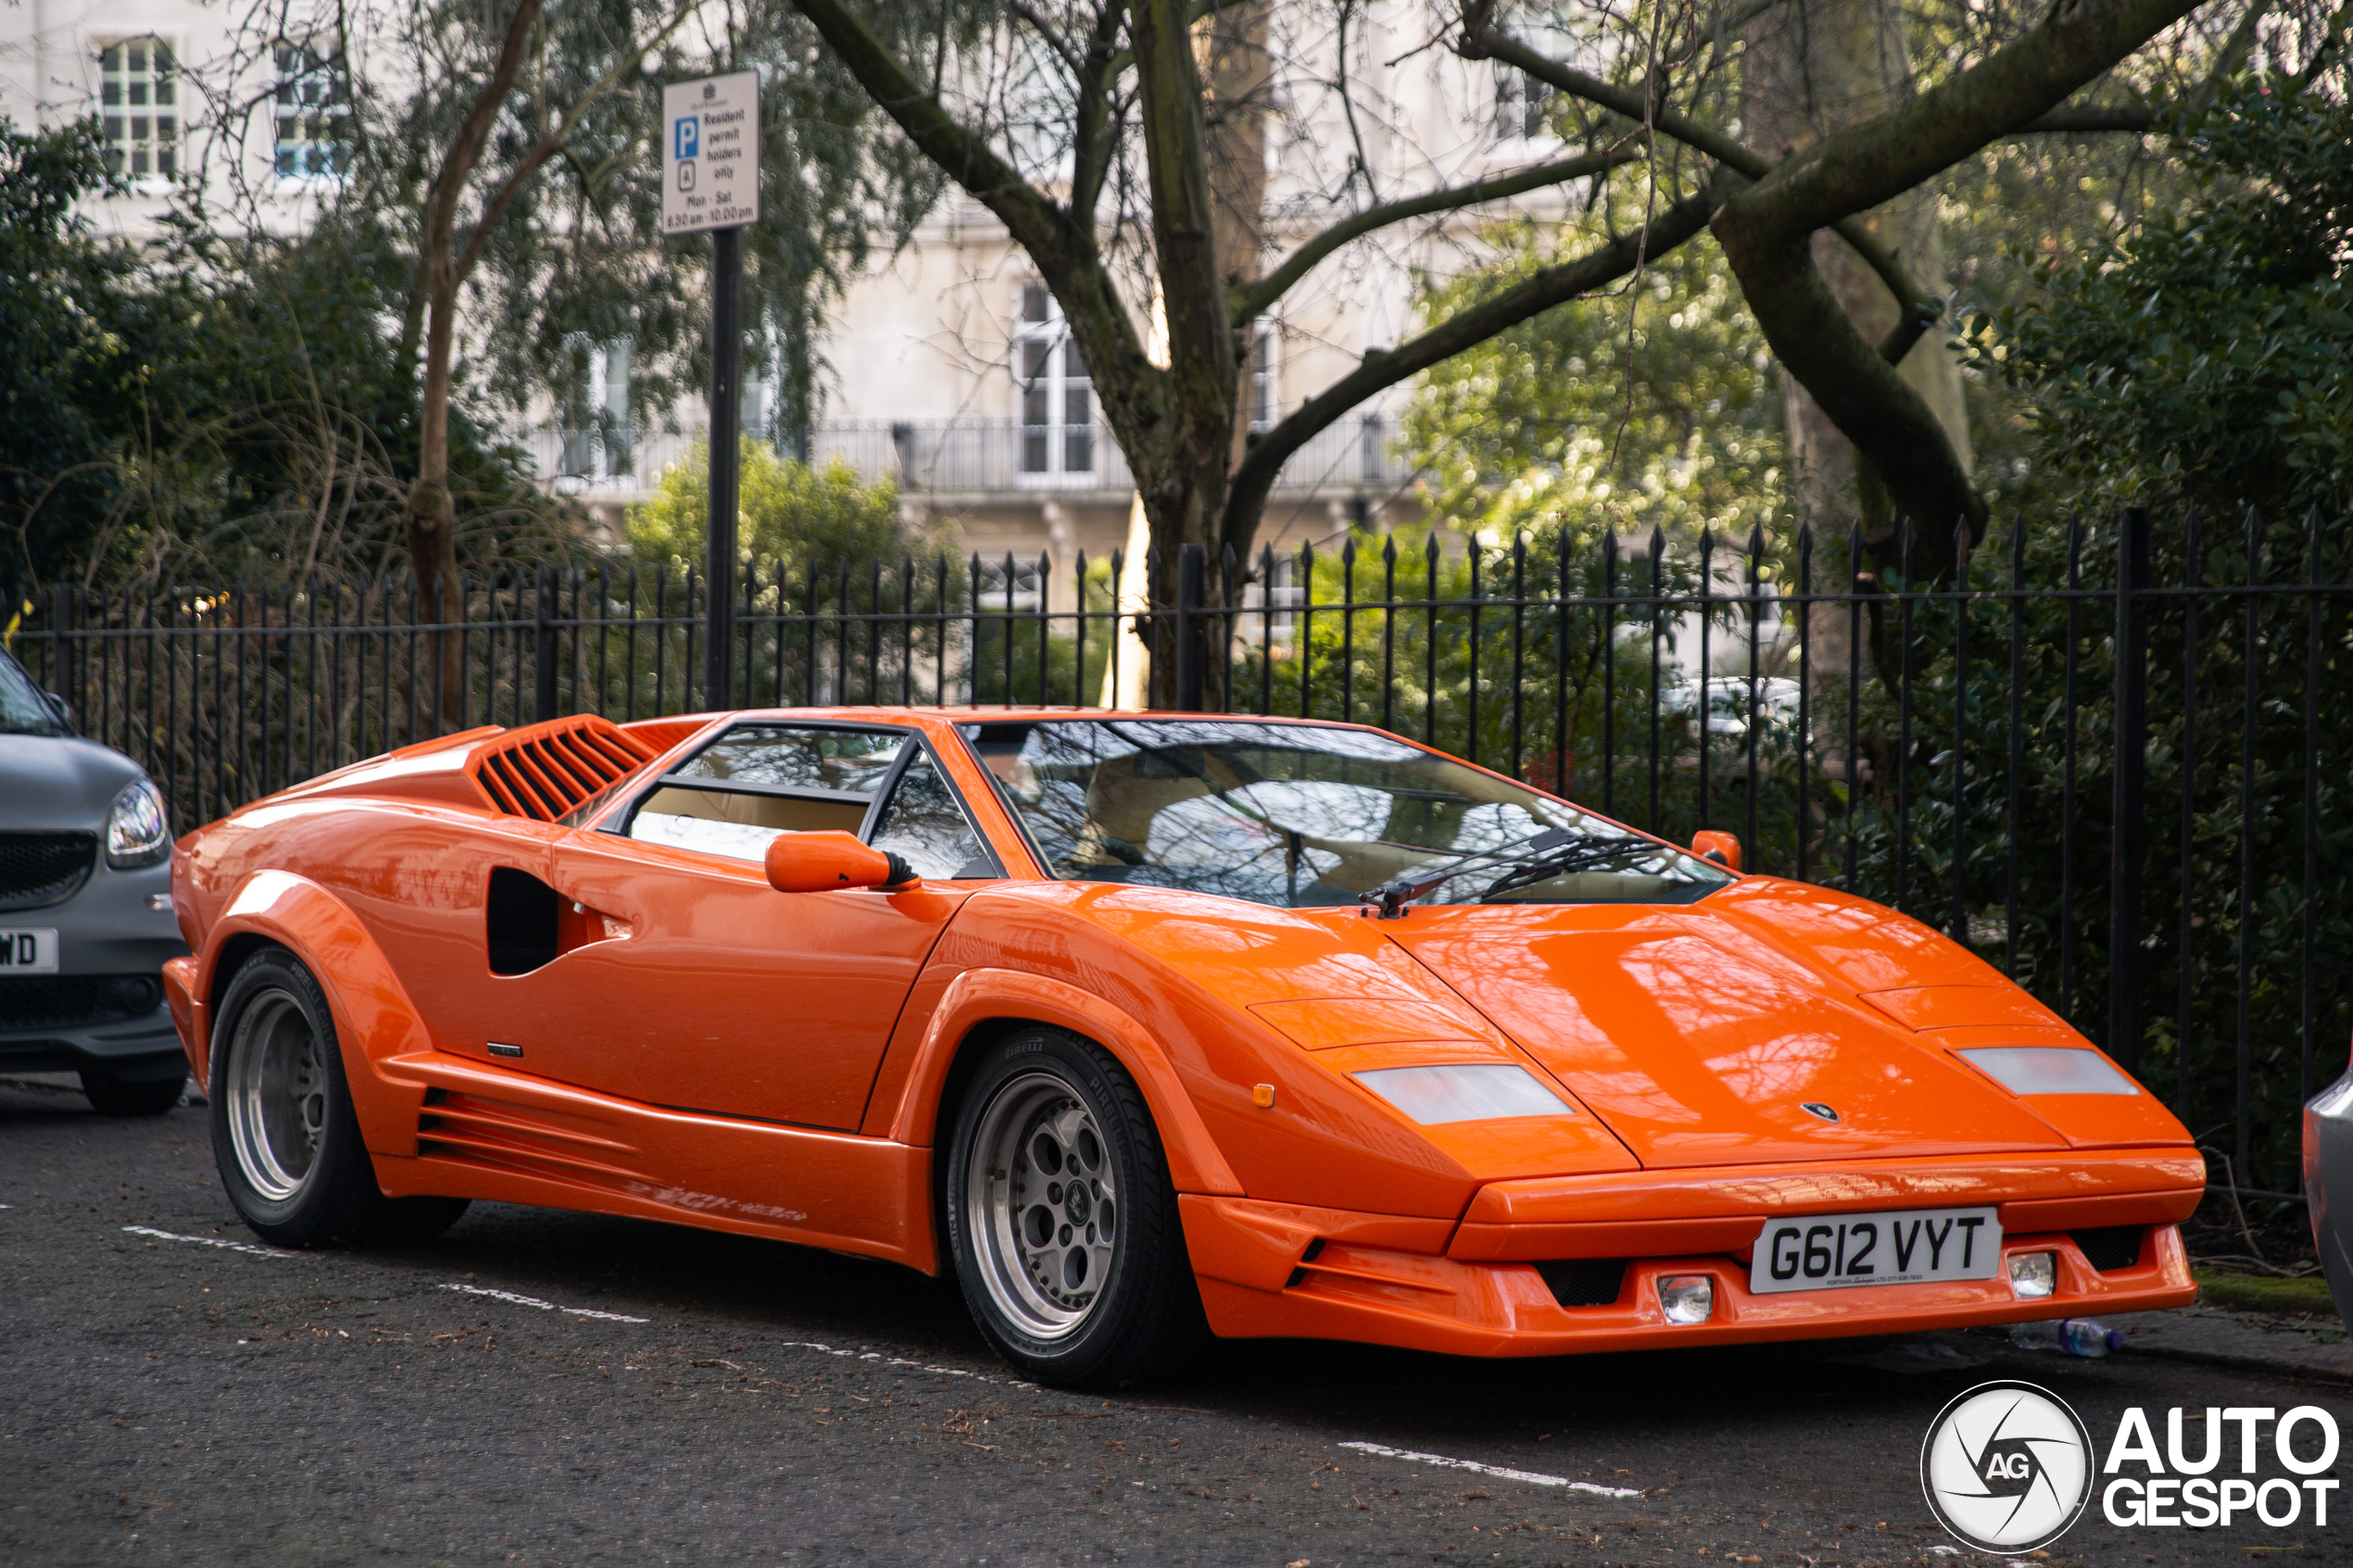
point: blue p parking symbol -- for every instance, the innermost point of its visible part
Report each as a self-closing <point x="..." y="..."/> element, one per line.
<point x="687" y="132"/>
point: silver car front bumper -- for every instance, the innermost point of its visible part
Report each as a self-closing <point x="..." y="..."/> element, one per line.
<point x="2328" y="1185"/>
<point x="110" y="935"/>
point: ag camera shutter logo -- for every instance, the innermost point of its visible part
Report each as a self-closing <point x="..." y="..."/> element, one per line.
<point x="2006" y="1468"/>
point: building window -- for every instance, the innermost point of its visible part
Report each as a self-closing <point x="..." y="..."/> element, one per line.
<point x="1523" y="105"/>
<point x="138" y="108"/>
<point x="1057" y="396"/>
<point x="313" y="111"/>
<point x="599" y="438"/>
<point x="1261" y="375"/>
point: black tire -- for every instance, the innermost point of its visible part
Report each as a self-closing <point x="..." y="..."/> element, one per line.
<point x="110" y="1095"/>
<point x="1079" y="1283"/>
<point x="283" y="1133"/>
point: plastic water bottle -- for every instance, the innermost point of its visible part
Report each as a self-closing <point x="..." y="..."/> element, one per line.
<point x="2071" y="1337"/>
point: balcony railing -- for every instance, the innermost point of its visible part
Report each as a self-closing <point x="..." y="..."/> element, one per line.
<point x="965" y="457"/>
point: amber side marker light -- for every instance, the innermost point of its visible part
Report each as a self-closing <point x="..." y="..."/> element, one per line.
<point x="2034" y="1274"/>
<point x="1263" y="1096"/>
<point x="1687" y="1298"/>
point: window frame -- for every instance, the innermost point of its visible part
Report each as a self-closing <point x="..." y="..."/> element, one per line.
<point x="1058" y="382"/>
<point x="160" y="46"/>
<point x="333" y="68"/>
<point x="616" y="819"/>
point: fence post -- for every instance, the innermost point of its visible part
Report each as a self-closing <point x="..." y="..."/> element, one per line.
<point x="2125" y="850"/>
<point x="543" y="647"/>
<point x="60" y="603"/>
<point x="1192" y="566"/>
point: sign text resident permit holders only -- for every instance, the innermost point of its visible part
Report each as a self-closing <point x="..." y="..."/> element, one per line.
<point x="711" y="154"/>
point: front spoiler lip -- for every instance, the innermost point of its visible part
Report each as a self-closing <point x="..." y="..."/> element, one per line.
<point x="1505" y="1308"/>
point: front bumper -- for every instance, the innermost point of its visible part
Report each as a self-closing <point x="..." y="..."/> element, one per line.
<point x="138" y="1051"/>
<point x="2328" y="1185"/>
<point x="106" y="931"/>
<point x="1479" y="1286"/>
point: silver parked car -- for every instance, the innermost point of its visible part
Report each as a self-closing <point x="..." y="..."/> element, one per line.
<point x="85" y="909"/>
<point x="2328" y="1186"/>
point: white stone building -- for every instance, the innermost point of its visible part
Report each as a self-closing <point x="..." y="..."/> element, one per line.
<point x="946" y="365"/>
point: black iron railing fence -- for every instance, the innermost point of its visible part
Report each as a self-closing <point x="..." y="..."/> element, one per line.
<point x="2110" y="758"/>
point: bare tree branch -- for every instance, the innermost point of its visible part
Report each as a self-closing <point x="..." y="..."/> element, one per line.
<point x="1860" y="168"/>
<point x="1248" y="303"/>
<point x="1381" y="369"/>
<point x="1481" y="40"/>
<point x="962" y="152"/>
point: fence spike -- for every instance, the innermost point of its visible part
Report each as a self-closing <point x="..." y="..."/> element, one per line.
<point x="1348" y="552"/>
<point x="1388" y="551"/>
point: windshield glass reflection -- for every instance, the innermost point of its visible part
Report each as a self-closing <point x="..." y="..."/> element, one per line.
<point x="1306" y="815"/>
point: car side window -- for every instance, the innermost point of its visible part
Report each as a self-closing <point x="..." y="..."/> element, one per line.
<point x="757" y="780"/>
<point x="924" y="825"/>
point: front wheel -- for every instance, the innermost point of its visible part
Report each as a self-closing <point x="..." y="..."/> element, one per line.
<point x="1061" y="1217"/>
<point x="283" y="1132"/>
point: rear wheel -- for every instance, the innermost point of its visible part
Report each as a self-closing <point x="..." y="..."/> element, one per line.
<point x="1062" y="1219"/>
<point x="110" y="1095"/>
<point x="283" y="1132"/>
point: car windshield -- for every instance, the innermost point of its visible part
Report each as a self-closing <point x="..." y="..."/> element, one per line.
<point x="23" y="709"/>
<point x="1307" y="815"/>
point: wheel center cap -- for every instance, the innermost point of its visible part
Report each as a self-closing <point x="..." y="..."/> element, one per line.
<point x="1079" y="1204"/>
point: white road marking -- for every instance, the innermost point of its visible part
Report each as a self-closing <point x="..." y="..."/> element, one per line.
<point x="543" y="1306"/>
<point x="900" y="1360"/>
<point x="1495" y="1470"/>
<point x="213" y="1241"/>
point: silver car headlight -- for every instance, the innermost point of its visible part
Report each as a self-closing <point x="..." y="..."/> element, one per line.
<point x="1435" y="1095"/>
<point x="2049" y="1070"/>
<point x="137" y="832"/>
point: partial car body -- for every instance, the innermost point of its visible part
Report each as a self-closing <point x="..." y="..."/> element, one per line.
<point x="85" y="909"/>
<point x="1348" y="1038"/>
<point x="2328" y="1186"/>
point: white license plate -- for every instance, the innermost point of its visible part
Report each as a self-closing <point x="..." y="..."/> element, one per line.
<point x="1830" y="1251"/>
<point x="29" y="952"/>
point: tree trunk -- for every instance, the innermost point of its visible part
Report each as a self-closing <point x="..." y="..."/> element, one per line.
<point x="431" y="512"/>
<point x="1814" y="67"/>
<point x="1235" y="64"/>
<point x="1181" y="466"/>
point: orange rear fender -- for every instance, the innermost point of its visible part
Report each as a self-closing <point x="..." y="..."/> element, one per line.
<point x="374" y="1019"/>
<point x="979" y="997"/>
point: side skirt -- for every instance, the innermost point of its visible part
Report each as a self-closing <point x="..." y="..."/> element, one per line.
<point x="511" y="1138"/>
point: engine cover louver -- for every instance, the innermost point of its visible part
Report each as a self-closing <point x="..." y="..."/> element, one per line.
<point x="545" y="771"/>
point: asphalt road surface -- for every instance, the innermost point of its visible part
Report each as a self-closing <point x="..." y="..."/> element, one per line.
<point x="541" y="1387"/>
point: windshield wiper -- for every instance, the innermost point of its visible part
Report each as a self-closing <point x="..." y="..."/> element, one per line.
<point x="1583" y="851"/>
<point x="1583" y="856"/>
<point x="1392" y="897"/>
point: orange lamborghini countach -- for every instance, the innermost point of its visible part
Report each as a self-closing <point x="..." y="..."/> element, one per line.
<point x="1144" y="1023"/>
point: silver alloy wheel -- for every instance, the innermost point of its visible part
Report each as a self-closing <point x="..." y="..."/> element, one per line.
<point x="1041" y="1206"/>
<point x="277" y="1094"/>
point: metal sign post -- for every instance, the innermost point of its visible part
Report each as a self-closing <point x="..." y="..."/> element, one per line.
<point x="710" y="180"/>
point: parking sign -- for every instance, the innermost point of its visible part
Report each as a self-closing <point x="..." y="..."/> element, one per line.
<point x="711" y="158"/>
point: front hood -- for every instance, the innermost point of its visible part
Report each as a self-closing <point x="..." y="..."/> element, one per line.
<point x="58" y="784"/>
<point x="1700" y="1043"/>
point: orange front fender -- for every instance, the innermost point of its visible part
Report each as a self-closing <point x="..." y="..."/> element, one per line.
<point x="980" y="996"/>
<point x="374" y="1020"/>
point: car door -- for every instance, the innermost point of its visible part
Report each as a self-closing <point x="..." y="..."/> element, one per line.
<point x="696" y="985"/>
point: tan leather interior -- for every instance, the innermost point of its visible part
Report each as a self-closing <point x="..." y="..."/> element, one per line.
<point x="780" y="812"/>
